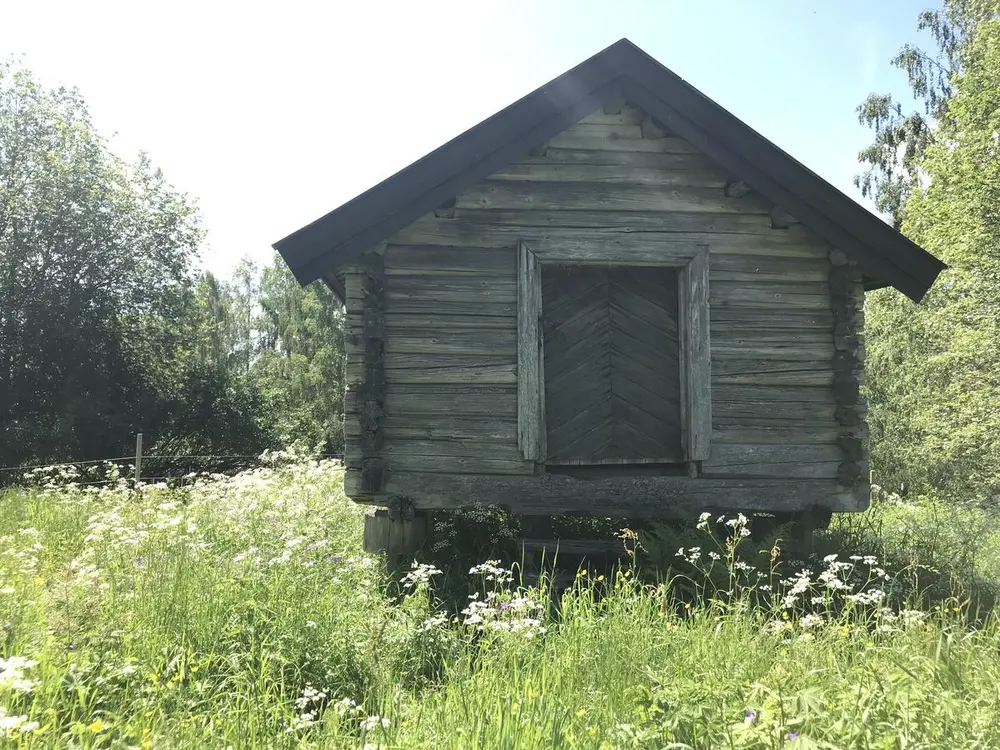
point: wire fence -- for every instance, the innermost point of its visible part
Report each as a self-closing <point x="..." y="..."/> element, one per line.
<point x="155" y="467"/>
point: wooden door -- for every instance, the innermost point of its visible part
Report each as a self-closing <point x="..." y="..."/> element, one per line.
<point x="611" y="364"/>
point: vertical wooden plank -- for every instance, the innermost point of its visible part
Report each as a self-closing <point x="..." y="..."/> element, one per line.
<point x="696" y="359"/>
<point x="530" y="386"/>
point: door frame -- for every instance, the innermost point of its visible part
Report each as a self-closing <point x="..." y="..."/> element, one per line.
<point x="693" y="320"/>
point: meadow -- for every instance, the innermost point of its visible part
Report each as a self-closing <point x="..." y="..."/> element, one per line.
<point x="241" y="612"/>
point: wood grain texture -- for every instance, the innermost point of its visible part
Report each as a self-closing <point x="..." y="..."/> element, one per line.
<point x="530" y="381"/>
<point x="431" y="427"/>
<point x="773" y="460"/>
<point x="370" y="444"/>
<point x="588" y="141"/>
<point x="696" y="352"/>
<point x="442" y="399"/>
<point x="611" y="355"/>
<point x="551" y="172"/>
<point x="640" y="496"/>
<point x="451" y="317"/>
<point x="598" y="196"/>
<point x="847" y="305"/>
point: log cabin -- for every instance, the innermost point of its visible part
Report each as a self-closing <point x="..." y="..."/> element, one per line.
<point x="613" y="298"/>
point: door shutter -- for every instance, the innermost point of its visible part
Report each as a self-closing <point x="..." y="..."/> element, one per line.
<point x="611" y="364"/>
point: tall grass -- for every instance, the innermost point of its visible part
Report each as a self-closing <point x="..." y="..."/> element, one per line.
<point x="242" y="613"/>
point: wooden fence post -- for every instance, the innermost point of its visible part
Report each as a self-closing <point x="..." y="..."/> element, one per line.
<point x="138" y="458"/>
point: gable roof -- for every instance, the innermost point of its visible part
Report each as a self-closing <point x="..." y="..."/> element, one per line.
<point x="621" y="70"/>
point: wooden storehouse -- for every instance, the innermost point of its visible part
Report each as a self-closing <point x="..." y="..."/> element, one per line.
<point x="614" y="298"/>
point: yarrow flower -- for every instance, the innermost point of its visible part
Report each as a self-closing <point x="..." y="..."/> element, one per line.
<point x="12" y="725"/>
<point x="420" y="576"/>
<point x="374" y="722"/>
<point x="12" y="674"/>
<point x="491" y="570"/>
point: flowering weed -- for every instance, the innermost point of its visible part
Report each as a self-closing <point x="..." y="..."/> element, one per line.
<point x="241" y="612"/>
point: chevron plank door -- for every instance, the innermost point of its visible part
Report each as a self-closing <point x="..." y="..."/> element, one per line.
<point x="612" y="373"/>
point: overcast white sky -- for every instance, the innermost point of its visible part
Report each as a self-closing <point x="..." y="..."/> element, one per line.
<point x="274" y="114"/>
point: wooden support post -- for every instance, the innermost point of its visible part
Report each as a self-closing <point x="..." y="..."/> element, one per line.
<point x="396" y="535"/>
<point x="138" y="458"/>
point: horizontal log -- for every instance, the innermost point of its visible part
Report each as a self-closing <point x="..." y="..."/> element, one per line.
<point x="635" y="496"/>
<point x="774" y="372"/>
<point x="769" y="351"/>
<point x="629" y="222"/>
<point x="417" y="305"/>
<point x="595" y="196"/>
<point x="801" y="268"/>
<point x="762" y="412"/>
<point x="775" y="273"/>
<point x="819" y="470"/>
<point x="478" y="373"/>
<point x="775" y="435"/>
<point x="425" y="260"/>
<point x="765" y="392"/>
<point x="473" y="234"/>
<point x="722" y="317"/>
<point x="664" y="161"/>
<point x="429" y="427"/>
<point x="770" y="292"/>
<point x="729" y="337"/>
<point x="451" y="289"/>
<point x="433" y="260"/>
<point x="407" y="322"/>
<point x="414" y="449"/>
<point x="610" y="174"/>
<point x="489" y="342"/>
<point x="437" y="399"/>
<point x="605" y="130"/>
<point x="408" y="361"/>
<point x="808" y="461"/>
<point x="421" y="361"/>
<point x="459" y="465"/>
<point x="569" y="139"/>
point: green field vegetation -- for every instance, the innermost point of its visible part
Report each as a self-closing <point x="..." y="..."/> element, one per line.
<point x="241" y="612"/>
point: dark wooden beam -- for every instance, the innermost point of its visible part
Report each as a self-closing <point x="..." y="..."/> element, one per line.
<point x="736" y="189"/>
<point x="626" y="496"/>
<point x="446" y="210"/>
<point x="614" y="106"/>
<point x="847" y="305"/>
<point x="653" y="129"/>
<point x="372" y="390"/>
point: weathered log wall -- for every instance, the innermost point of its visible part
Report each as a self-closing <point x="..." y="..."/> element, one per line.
<point x="785" y="320"/>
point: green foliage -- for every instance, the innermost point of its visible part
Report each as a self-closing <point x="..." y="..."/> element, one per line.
<point x="103" y="332"/>
<point x="934" y="369"/>
<point x="893" y="160"/>
<point x="241" y="613"/>
<point x="301" y="366"/>
<point x="106" y="329"/>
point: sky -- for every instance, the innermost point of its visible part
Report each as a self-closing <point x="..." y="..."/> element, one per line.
<point x="271" y="115"/>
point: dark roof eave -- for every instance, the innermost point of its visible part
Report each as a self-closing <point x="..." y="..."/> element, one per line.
<point x="375" y="215"/>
